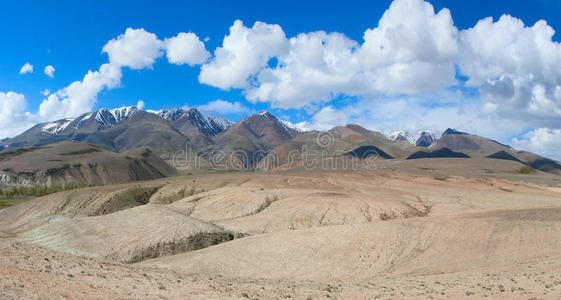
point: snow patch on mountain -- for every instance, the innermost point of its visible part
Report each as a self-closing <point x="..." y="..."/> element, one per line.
<point x="300" y="127"/>
<point x="169" y="114"/>
<point x="220" y="123"/>
<point x="56" y="127"/>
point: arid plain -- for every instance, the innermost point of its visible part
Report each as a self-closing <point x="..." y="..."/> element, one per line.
<point x="426" y="228"/>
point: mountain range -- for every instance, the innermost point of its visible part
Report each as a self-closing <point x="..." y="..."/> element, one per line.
<point x="258" y="141"/>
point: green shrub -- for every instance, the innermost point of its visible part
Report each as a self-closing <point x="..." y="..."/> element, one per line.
<point x="81" y="152"/>
<point x="39" y="190"/>
<point x="146" y="153"/>
<point x="525" y="170"/>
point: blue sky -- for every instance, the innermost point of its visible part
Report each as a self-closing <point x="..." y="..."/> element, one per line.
<point x="70" y="36"/>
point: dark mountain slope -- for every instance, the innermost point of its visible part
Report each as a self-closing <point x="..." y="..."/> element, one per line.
<point x="504" y="155"/>
<point x="440" y="153"/>
<point x="367" y="151"/>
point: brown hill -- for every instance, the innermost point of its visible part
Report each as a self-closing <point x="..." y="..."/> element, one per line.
<point x="77" y="162"/>
<point x="250" y="139"/>
<point x="461" y="141"/>
<point x="332" y="144"/>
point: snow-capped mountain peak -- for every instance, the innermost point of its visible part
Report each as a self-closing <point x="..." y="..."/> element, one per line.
<point x="122" y="113"/>
<point x="402" y="136"/>
<point x="114" y="116"/>
<point x="425" y="139"/>
<point x="266" y="114"/>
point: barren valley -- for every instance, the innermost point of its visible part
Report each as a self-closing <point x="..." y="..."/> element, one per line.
<point x="427" y="228"/>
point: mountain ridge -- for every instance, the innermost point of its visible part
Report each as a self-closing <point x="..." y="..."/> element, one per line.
<point x="170" y="130"/>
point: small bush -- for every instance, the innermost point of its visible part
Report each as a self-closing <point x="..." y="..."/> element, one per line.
<point x="525" y="170"/>
<point x="146" y="153"/>
<point x="81" y="152"/>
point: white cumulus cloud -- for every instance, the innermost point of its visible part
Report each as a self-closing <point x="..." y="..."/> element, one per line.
<point x="543" y="141"/>
<point x="327" y="118"/>
<point x="136" y="49"/>
<point x="50" y="71"/>
<point x="13" y="119"/>
<point x="516" y="68"/>
<point x="140" y="104"/>
<point x="80" y="96"/>
<point x="244" y="52"/>
<point x="318" y="67"/>
<point x="222" y="107"/>
<point x="26" y="68"/>
<point x="186" y="48"/>
<point x="411" y="51"/>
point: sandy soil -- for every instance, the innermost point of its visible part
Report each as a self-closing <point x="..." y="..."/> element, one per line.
<point x="410" y="230"/>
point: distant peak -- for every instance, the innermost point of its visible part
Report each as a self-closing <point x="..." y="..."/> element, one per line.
<point x="114" y="116"/>
<point x="401" y="136"/>
<point x="425" y="139"/>
<point x="169" y="114"/>
<point x="451" y="131"/>
<point x="266" y="114"/>
<point x="194" y="111"/>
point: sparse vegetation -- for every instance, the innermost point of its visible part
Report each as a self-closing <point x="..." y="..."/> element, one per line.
<point x="525" y="170"/>
<point x="39" y="190"/>
<point x="16" y="195"/>
<point x="127" y="199"/>
<point x="82" y="152"/>
<point x="57" y="171"/>
<point x="26" y="174"/>
<point x="426" y="169"/>
<point x="146" y="153"/>
<point x="9" y="202"/>
<point x="268" y="201"/>
<point x="16" y="152"/>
